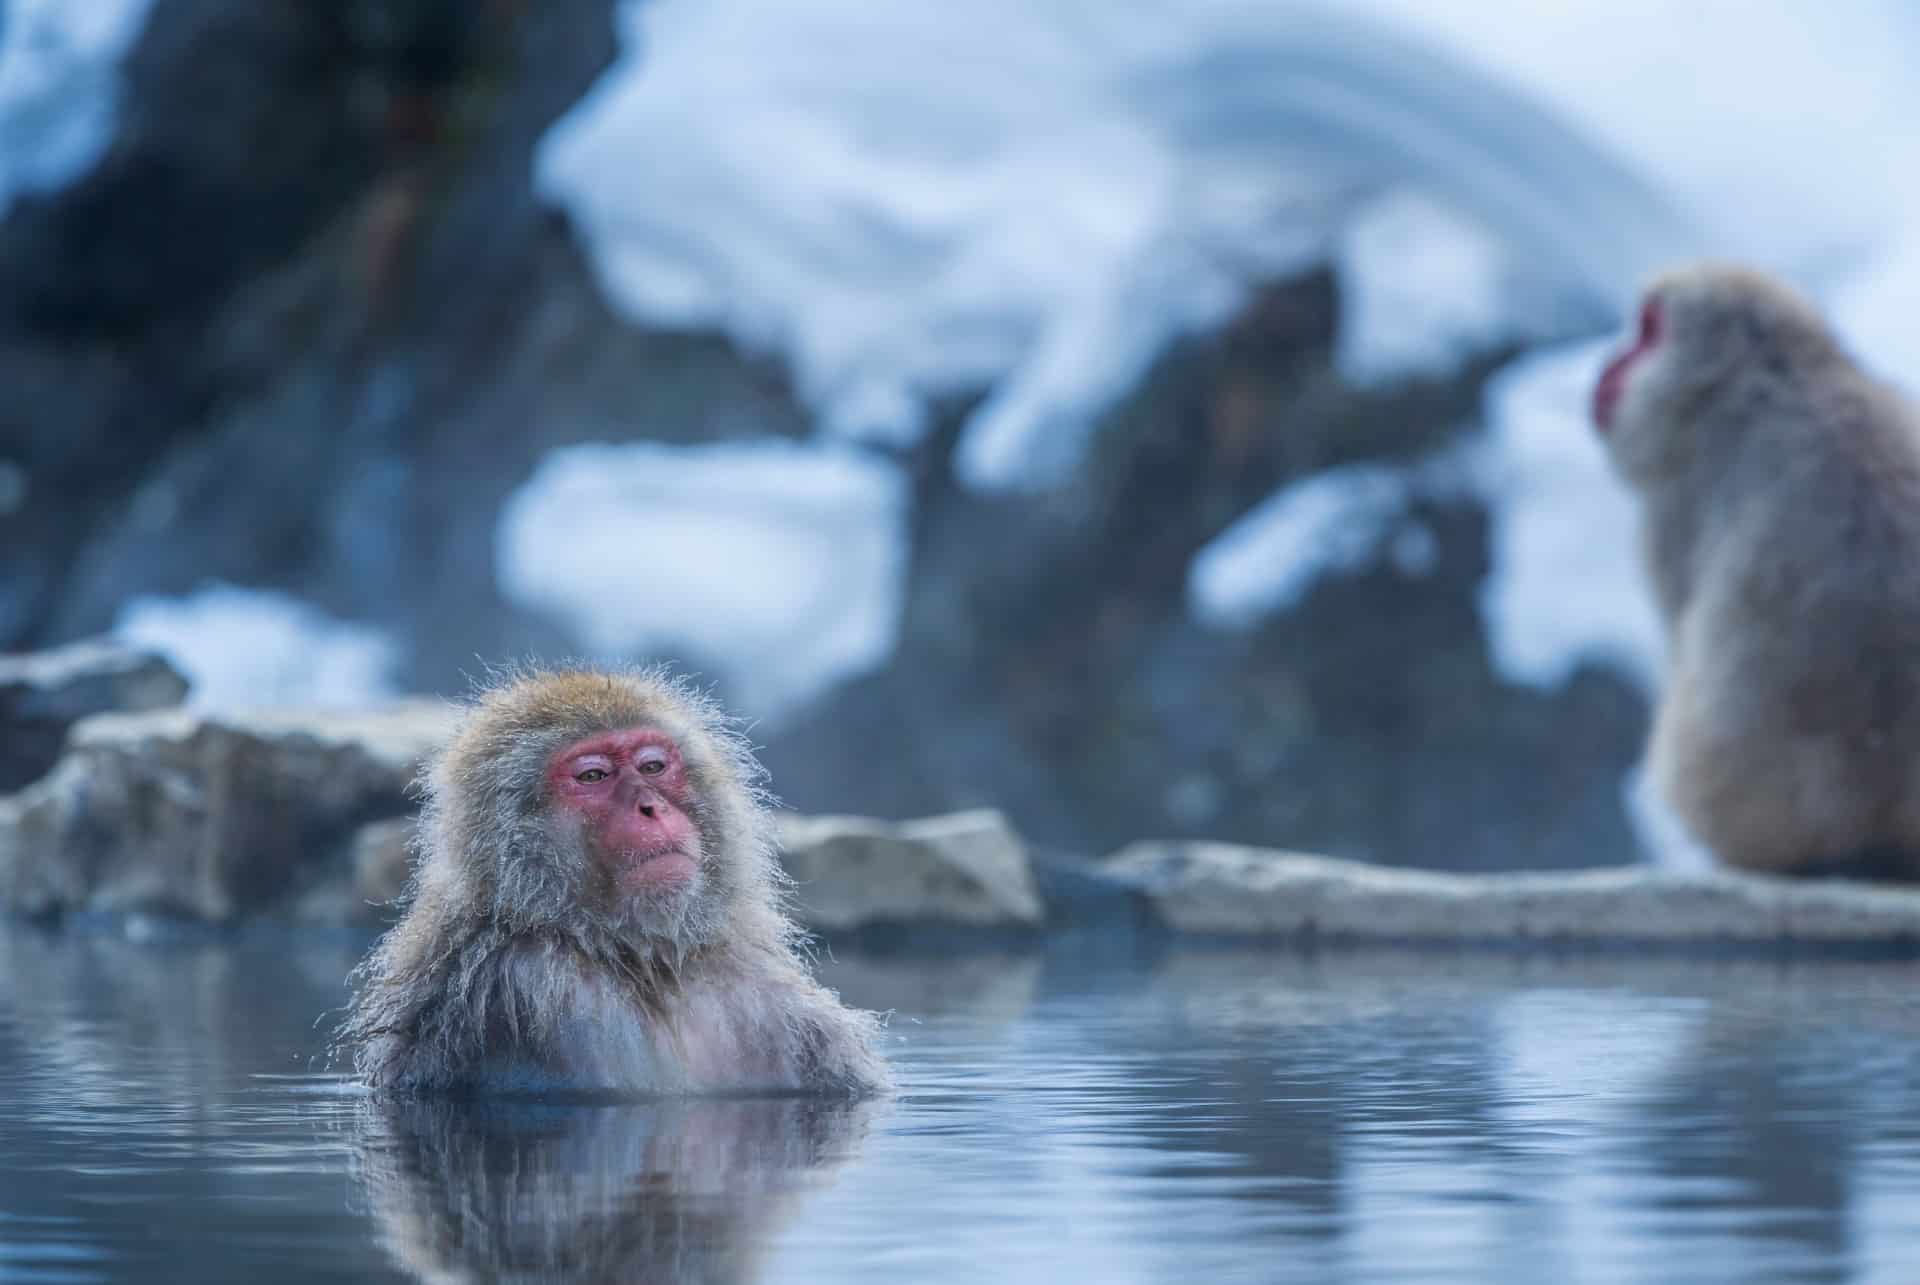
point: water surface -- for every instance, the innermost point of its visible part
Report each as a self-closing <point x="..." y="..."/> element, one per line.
<point x="1258" y="1116"/>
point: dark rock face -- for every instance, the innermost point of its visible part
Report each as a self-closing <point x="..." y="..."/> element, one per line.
<point x="238" y="141"/>
<point x="42" y="694"/>
<point x="1050" y="665"/>
<point x="308" y="325"/>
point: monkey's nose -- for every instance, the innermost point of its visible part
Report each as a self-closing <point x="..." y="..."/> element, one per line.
<point x="646" y="809"/>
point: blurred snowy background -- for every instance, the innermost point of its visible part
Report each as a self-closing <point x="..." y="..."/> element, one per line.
<point x="1152" y="417"/>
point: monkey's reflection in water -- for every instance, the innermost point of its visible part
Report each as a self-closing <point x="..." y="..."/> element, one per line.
<point x="686" y="1190"/>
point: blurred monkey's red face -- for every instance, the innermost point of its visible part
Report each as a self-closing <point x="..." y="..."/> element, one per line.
<point x="1613" y="380"/>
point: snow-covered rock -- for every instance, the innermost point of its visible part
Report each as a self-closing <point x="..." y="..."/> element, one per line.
<point x="59" y="87"/>
<point x="778" y="565"/>
<point x="1565" y="584"/>
<point x="244" y="648"/>
<point x="44" y="693"/>
<point x="854" y="189"/>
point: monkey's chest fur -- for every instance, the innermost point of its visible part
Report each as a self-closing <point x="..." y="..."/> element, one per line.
<point x="715" y="1027"/>
<point x="712" y="1034"/>
<point x="535" y="1017"/>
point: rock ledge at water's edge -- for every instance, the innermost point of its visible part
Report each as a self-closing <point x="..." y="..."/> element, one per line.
<point x="204" y="816"/>
<point x="307" y="814"/>
<point x="1229" y="891"/>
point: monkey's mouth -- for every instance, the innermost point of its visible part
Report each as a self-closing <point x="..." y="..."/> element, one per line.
<point x="654" y="868"/>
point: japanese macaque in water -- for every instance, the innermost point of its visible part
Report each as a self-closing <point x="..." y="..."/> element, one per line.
<point x="597" y="908"/>
<point x="1780" y="495"/>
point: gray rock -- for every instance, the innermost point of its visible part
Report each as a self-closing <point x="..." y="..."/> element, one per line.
<point x="383" y="860"/>
<point x="208" y="816"/>
<point x="379" y="863"/>
<point x="966" y="869"/>
<point x="1225" y="890"/>
<point x="44" y="693"/>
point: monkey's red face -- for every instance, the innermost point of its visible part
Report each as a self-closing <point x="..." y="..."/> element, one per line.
<point x="1613" y="380"/>
<point x="630" y="790"/>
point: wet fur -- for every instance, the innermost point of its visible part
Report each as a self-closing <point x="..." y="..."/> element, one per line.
<point x="514" y="970"/>
<point x="1780" y="489"/>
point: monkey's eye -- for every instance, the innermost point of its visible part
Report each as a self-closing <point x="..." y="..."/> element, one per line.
<point x="652" y="767"/>
<point x="591" y="775"/>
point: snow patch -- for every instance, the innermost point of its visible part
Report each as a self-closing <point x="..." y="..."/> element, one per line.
<point x="1421" y="286"/>
<point x="242" y="648"/>
<point x="1662" y="835"/>
<point x="1874" y="313"/>
<point x="781" y="565"/>
<point x="1329" y="523"/>
<point x="1786" y="130"/>
<point x="59" y="87"/>
<point x="1267" y="561"/>
<point x="852" y="186"/>
<point x="1566" y="584"/>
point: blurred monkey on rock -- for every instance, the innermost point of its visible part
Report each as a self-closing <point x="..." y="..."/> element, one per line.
<point x="1780" y="501"/>
<point x="596" y="907"/>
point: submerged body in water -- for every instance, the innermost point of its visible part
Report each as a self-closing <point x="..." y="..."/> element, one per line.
<point x="689" y="1190"/>
<point x="597" y="910"/>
